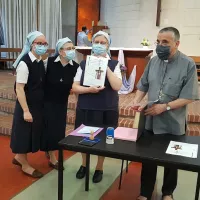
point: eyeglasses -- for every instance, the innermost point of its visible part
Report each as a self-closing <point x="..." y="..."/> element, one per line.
<point x="97" y="42"/>
<point x="163" y="43"/>
<point x="41" y="43"/>
<point x="68" y="48"/>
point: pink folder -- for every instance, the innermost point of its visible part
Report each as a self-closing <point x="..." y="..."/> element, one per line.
<point x="123" y="133"/>
<point x="74" y="133"/>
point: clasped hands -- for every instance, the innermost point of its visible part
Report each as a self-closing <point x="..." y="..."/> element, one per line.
<point x="153" y="110"/>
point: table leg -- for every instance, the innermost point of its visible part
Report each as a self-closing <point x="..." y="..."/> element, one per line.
<point x="197" y="187"/>
<point x="120" y="180"/>
<point x="87" y="172"/>
<point x="127" y="166"/>
<point x="60" y="174"/>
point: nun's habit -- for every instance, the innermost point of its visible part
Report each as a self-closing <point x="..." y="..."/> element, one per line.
<point x="59" y="80"/>
<point x="26" y="136"/>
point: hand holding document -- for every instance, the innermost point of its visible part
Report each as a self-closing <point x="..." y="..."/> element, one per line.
<point x="94" y="89"/>
<point x="95" y="71"/>
<point x="182" y="149"/>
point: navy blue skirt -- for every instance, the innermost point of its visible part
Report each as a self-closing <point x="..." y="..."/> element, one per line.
<point x="54" y="125"/>
<point x="25" y="136"/>
<point x="107" y="118"/>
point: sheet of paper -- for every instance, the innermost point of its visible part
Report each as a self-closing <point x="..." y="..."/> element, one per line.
<point x="95" y="71"/>
<point x="182" y="149"/>
<point x="123" y="133"/>
<point x="88" y="129"/>
<point x="75" y="132"/>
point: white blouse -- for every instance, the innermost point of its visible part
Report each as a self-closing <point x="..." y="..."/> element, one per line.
<point x="22" y="69"/>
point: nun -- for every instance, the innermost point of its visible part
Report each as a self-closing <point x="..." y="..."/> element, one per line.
<point x="60" y="73"/>
<point x="98" y="106"/>
<point x="28" y="113"/>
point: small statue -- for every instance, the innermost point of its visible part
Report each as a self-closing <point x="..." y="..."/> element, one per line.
<point x="92" y="135"/>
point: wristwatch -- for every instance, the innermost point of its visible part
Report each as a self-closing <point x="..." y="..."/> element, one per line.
<point x="168" y="107"/>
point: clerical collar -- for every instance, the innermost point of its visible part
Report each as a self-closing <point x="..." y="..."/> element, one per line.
<point x="174" y="57"/>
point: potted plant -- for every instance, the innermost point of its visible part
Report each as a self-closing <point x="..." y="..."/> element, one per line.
<point x="145" y="42"/>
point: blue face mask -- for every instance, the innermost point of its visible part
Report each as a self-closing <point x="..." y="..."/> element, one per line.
<point x="99" y="49"/>
<point x="40" y="50"/>
<point x="70" y="55"/>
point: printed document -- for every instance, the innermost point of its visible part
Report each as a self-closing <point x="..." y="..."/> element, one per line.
<point x="95" y="71"/>
<point x="182" y="149"/>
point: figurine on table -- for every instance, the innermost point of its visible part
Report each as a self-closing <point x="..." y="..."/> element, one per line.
<point x="92" y="135"/>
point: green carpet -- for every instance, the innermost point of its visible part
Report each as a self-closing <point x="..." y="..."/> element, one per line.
<point x="46" y="187"/>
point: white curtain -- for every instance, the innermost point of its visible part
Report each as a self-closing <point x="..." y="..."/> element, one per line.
<point x="50" y="20"/>
<point x="1" y="31"/>
<point x="20" y="18"/>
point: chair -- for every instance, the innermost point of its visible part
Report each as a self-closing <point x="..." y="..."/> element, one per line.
<point x="10" y="56"/>
<point x="14" y="52"/>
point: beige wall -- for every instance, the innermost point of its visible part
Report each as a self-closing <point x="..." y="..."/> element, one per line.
<point x="69" y="19"/>
<point x="132" y="20"/>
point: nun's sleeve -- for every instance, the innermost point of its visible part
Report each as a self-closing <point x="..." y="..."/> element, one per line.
<point x="77" y="78"/>
<point x="22" y="73"/>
